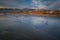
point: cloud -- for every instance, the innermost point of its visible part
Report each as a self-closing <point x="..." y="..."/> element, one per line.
<point x="38" y="4"/>
<point x="54" y="4"/>
<point x="2" y="7"/>
<point x="12" y="3"/>
<point x="8" y="3"/>
<point x="34" y="4"/>
<point x="47" y="4"/>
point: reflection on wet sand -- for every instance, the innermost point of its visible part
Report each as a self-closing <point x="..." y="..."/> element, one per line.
<point x="29" y="28"/>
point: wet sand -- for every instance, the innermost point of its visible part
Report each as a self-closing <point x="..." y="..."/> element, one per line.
<point x="29" y="28"/>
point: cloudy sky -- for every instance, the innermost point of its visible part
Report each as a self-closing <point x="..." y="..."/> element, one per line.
<point x="33" y="4"/>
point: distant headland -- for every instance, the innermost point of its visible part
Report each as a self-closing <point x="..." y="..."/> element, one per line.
<point x="26" y="11"/>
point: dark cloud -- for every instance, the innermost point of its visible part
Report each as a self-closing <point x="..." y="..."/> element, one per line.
<point x="39" y="4"/>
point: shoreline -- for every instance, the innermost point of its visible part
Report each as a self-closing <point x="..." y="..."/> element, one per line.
<point x="30" y="15"/>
